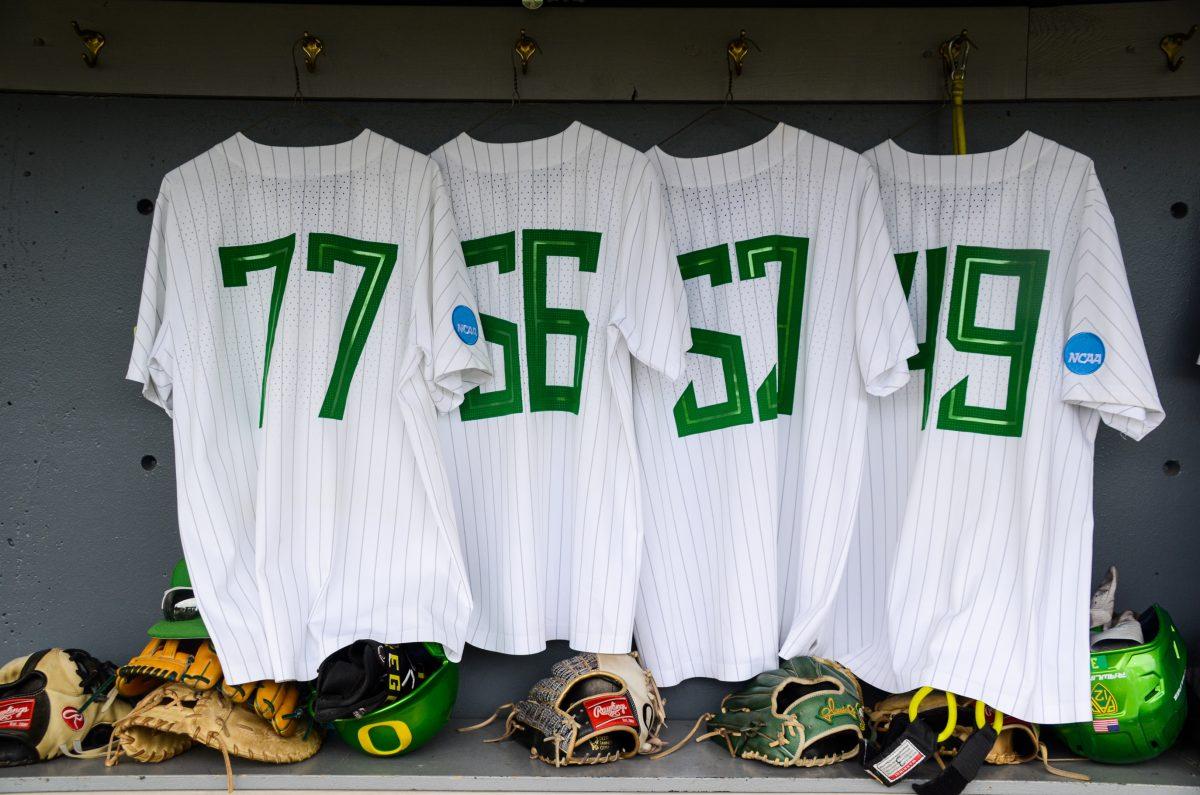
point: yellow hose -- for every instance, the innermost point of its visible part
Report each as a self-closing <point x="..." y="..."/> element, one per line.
<point x="958" y="122"/>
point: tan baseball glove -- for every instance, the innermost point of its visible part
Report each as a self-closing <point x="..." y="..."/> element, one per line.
<point x="194" y="663"/>
<point x="593" y="708"/>
<point x="54" y="702"/>
<point x="173" y="717"/>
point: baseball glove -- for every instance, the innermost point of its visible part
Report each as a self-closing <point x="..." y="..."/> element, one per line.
<point x="936" y="724"/>
<point x="193" y="662"/>
<point x="173" y="717"/>
<point x="279" y="703"/>
<point x="593" y="708"/>
<point x="56" y="701"/>
<point x="808" y="713"/>
<point x="1017" y="742"/>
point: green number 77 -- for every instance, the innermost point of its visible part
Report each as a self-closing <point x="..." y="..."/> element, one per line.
<point x="324" y="250"/>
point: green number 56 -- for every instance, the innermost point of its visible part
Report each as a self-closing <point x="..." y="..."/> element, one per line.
<point x="541" y="320"/>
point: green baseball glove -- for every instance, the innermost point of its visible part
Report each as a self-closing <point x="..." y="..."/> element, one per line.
<point x="809" y="713"/>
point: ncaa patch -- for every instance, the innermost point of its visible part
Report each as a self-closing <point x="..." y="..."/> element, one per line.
<point x="465" y="325"/>
<point x="1084" y="353"/>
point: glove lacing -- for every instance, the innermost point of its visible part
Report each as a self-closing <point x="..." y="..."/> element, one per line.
<point x="113" y="752"/>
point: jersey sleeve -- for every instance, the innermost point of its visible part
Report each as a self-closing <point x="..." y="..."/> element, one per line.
<point x="152" y="363"/>
<point x="1104" y="360"/>
<point x="884" y="337"/>
<point x="651" y="310"/>
<point x="445" y="326"/>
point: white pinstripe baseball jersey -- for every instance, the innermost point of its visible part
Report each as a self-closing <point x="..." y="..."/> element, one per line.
<point x="568" y="249"/>
<point x="752" y="461"/>
<point x="304" y="315"/>
<point x="971" y="568"/>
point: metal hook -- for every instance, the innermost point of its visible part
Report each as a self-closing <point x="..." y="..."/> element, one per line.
<point x="954" y="52"/>
<point x="93" y="42"/>
<point x="1171" y="45"/>
<point x="525" y="47"/>
<point x="737" y="50"/>
<point x="312" y="47"/>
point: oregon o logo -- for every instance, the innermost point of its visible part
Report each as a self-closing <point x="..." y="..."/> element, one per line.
<point x="1084" y="353"/>
<point x="465" y="325"/>
<point x="394" y="735"/>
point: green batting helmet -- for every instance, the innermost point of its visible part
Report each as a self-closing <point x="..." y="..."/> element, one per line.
<point x="1138" y="703"/>
<point x="181" y="617"/>
<point x="409" y="722"/>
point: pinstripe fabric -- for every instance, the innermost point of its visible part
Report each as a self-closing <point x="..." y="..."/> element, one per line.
<point x="550" y="500"/>
<point x="307" y="533"/>
<point x="747" y="525"/>
<point x="970" y="571"/>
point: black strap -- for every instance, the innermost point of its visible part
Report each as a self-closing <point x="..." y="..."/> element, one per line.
<point x="407" y="666"/>
<point x="965" y="767"/>
<point x="905" y="746"/>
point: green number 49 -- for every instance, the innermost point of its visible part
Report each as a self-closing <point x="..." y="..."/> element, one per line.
<point x="967" y="335"/>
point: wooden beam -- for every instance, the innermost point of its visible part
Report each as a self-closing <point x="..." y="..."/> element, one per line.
<point x="406" y="52"/>
<point x="424" y="52"/>
<point x="1111" y="51"/>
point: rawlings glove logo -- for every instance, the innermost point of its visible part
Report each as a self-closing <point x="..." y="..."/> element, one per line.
<point x="73" y="718"/>
<point x="609" y="710"/>
<point x="16" y="713"/>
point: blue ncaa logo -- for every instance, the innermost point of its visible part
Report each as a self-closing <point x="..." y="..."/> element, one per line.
<point x="465" y="325"/>
<point x="1084" y="353"/>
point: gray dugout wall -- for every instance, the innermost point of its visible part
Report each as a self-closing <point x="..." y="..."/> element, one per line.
<point x="88" y="535"/>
